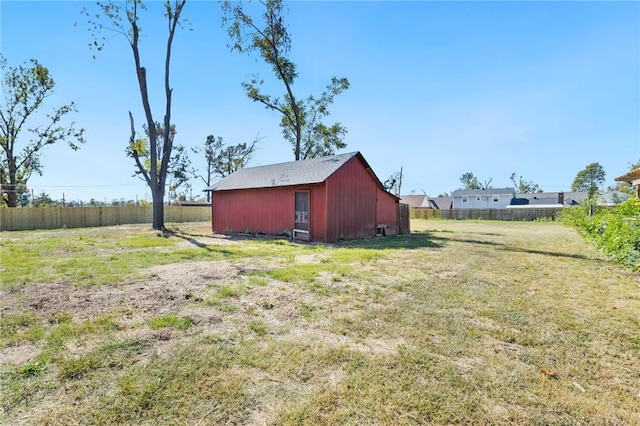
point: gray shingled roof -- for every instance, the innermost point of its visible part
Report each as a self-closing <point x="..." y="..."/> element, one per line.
<point x="442" y="203"/>
<point x="527" y="201"/>
<point x="415" y="200"/>
<point x="314" y="170"/>
<point x="570" y="197"/>
<point x="491" y="191"/>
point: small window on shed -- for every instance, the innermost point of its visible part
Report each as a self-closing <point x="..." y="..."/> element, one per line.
<point x="465" y="199"/>
<point x="496" y="198"/>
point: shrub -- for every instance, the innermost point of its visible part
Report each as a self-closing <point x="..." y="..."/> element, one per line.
<point x="615" y="231"/>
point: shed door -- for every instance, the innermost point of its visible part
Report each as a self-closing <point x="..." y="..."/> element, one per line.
<point x="301" y="218"/>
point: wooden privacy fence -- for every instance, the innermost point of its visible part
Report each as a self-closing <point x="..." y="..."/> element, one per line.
<point x="485" y="214"/>
<point x="25" y="218"/>
<point x="404" y="214"/>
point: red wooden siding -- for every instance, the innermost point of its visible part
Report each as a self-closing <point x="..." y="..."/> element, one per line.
<point x="268" y="210"/>
<point x="387" y="211"/>
<point x="252" y="210"/>
<point x="351" y="202"/>
<point x="318" y="212"/>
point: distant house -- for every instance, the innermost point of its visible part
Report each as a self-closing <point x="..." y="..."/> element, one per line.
<point x="415" y="201"/>
<point x="632" y="177"/>
<point x="543" y="200"/>
<point x="441" y="203"/>
<point x="539" y="200"/>
<point x="612" y="198"/>
<point x="493" y="198"/>
<point x="423" y="201"/>
<point x="320" y="199"/>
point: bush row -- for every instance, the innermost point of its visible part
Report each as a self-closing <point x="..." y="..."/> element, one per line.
<point x="616" y="231"/>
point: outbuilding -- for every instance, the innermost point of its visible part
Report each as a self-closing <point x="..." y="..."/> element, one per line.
<point x="320" y="199"/>
<point x="632" y="177"/>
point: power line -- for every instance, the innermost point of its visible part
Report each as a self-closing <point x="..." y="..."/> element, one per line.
<point x="79" y="186"/>
<point x="87" y="186"/>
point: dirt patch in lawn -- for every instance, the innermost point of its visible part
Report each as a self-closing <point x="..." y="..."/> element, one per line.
<point x="166" y="288"/>
<point x="17" y="355"/>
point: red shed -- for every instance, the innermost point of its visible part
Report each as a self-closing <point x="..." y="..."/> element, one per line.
<point x="320" y="199"/>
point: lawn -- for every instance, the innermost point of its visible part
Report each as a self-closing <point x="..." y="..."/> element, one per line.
<point x="461" y="322"/>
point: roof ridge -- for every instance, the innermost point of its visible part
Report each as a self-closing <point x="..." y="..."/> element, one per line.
<point x="307" y="171"/>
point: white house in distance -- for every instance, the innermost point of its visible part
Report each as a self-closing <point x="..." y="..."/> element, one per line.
<point x="493" y="198"/>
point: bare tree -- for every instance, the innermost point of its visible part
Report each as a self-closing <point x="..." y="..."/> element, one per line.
<point x="522" y="186"/>
<point x="394" y="183"/>
<point x="222" y="159"/>
<point x="160" y="146"/>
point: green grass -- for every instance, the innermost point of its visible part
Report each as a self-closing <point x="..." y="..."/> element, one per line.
<point x="458" y="323"/>
<point x="19" y="328"/>
<point x="46" y="256"/>
<point x="228" y="291"/>
<point x="258" y="327"/>
<point x="97" y="261"/>
<point x="54" y="363"/>
<point x="170" y="321"/>
<point x="147" y="393"/>
<point x="114" y="354"/>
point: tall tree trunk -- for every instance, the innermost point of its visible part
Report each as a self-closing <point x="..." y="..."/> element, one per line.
<point x="12" y="194"/>
<point x="157" y="196"/>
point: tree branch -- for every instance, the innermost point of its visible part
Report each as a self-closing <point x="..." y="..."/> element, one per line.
<point x="132" y="140"/>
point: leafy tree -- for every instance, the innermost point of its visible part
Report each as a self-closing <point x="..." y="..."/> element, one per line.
<point x="179" y="172"/>
<point x="524" y="187"/>
<point x="589" y="179"/>
<point x="25" y="89"/>
<point x="625" y="187"/>
<point x="317" y="139"/>
<point x="123" y="19"/>
<point x="222" y="159"/>
<point x="300" y="119"/>
<point x="470" y="181"/>
<point x="42" y="200"/>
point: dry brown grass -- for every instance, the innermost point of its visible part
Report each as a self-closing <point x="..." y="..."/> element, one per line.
<point x="458" y="323"/>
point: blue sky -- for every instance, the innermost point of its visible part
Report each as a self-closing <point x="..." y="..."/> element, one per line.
<point x="541" y="89"/>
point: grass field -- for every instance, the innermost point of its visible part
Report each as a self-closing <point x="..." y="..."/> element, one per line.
<point x="464" y="322"/>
